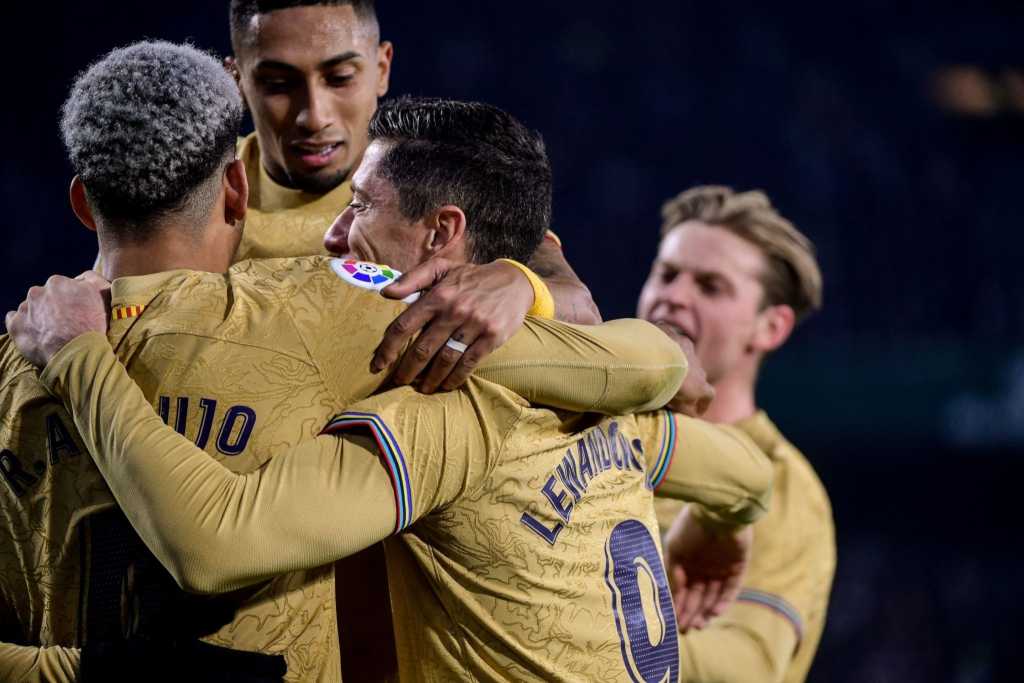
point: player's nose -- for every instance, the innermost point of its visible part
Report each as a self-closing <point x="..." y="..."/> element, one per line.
<point x="681" y="292"/>
<point x="336" y="237"/>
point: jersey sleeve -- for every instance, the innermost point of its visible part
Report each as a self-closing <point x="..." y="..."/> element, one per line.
<point x="776" y="622"/>
<point x="747" y="645"/>
<point x="715" y="466"/>
<point x="436" y="447"/>
<point x="615" y="368"/>
<point x="401" y="456"/>
<point x="213" y="529"/>
<point x="26" y="664"/>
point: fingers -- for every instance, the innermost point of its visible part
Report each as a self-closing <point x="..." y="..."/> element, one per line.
<point x="426" y="347"/>
<point x="402" y="329"/>
<point x="691" y="604"/>
<point x="678" y="581"/>
<point x="712" y="605"/>
<point x="448" y="358"/>
<point x="423" y="276"/>
<point x="484" y="345"/>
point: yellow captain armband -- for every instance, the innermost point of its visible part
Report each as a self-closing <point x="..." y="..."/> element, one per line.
<point x="543" y="302"/>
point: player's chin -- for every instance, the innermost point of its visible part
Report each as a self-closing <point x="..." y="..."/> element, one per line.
<point x="318" y="180"/>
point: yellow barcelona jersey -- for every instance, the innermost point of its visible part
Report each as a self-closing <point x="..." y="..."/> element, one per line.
<point x="48" y="489"/>
<point x="527" y="546"/>
<point x="259" y="359"/>
<point x="281" y="221"/>
<point x="772" y="633"/>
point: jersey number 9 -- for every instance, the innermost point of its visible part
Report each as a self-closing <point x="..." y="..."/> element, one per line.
<point x="635" y="575"/>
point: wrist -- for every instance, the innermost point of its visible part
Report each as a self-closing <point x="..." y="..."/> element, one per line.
<point x="714" y="523"/>
<point x="543" y="302"/>
<point x="60" y="363"/>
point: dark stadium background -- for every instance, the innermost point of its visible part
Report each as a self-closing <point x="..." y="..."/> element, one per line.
<point x="907" y="392"/>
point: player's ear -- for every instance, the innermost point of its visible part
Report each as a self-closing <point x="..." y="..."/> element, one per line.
<point x="236" y="192"/>
<point x="385" y="53"/>
<point x="774" y="325"/>
<point x="448" y="230"/>
<point x="80" y="203"/>
<point x="231" y="66"/>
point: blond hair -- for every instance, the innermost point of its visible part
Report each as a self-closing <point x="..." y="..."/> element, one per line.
<point x="791" y="275"/>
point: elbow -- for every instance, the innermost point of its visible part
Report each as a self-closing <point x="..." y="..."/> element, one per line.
<point x="202" y="576"/>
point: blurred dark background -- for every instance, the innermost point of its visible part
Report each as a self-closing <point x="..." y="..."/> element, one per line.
<point x="891" y="133"/>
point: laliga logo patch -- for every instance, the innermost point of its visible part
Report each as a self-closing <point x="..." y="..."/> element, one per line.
<point x="368" y="275"/>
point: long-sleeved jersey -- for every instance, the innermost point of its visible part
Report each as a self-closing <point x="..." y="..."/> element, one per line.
<point x="527" y="544"/>
<point x="243" y="364"/>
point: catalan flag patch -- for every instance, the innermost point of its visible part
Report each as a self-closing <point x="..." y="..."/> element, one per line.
<point x="663" y="458"/>
<point x="127" y="311"/>
<point x="390" y="453"/>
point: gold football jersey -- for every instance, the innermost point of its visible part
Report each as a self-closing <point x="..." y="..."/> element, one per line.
<point x="48" y="489"/>
<point x="255" y="361"/>
<point x="528" y="544"/>
<point x="541" y="562"/>
<point x="281" y="221"/>
<point x="772" y="632"/>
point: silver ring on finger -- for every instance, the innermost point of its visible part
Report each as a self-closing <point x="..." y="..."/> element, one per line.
<point x="456" y="346"/>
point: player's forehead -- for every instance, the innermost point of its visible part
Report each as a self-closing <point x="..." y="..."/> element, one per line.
<point x="699" y="247"/>
<point x="308" y="37"/>
<point x="367" y="179"/>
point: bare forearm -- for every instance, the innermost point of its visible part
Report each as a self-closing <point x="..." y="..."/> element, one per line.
<point x="573" y="301"/>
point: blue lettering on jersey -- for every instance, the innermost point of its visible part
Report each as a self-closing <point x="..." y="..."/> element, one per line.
<point x="595" y="453"/>
<point x="235" y="429"/>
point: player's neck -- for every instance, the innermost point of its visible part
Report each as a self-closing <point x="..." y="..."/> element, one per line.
<point x="734" y="398"/>
<point x="171" y="248"/>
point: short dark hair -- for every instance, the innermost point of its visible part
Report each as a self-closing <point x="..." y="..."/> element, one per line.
<point x="242" y="12"/>
<point x="476" y="157"/>
<point x="146" y="129"/>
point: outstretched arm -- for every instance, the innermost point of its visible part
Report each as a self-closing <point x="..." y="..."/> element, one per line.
<point x="213" y="529"/>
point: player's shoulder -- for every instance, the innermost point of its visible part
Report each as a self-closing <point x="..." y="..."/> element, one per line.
<point x="12" y="363"/>
<point x="288" y="276"/>
<point x="800" y="500"/>
<point x="19" y="379"/>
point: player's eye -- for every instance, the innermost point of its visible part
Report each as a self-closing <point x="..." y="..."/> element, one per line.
<point x="709" y="286"/>
<point x="667" y="275"/>
<point x="274" y="85"/>
<point x="358" y="207"/>
<point x="339" y="80"/>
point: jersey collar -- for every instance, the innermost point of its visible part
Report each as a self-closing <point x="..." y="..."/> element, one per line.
<point x="762" y="432"/>
<point x="131" y="296"/>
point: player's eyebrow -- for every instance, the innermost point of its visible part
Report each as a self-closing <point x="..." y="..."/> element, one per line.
<point x="339" y="59"/>
<point x="356" y="189"/>
<point x="326" y="64"/>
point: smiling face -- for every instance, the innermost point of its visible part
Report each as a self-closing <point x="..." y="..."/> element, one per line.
<point x="372" y="227"/>
<point x="706" y="283"/>
<point x="311" y="77"/>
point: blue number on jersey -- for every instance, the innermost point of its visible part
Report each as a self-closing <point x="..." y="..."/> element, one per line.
<point x="631" y="554"/>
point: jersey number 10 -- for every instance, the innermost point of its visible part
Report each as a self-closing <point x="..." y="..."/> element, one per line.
<point x="235" y="429"/>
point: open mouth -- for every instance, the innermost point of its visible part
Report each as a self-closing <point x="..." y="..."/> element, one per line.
<point x="677" y="329"/>
<point x="317" y="155"/>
